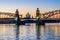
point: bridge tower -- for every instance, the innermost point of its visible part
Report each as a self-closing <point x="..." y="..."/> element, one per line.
<point x="38" y="15"/>
<point x="37" y="12"/>
<point x="17" y="19"/>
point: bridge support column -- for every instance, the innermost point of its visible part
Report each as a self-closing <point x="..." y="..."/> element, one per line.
<point x="38" y="32"/>
<point x="39" y="22"/>
<point x="17" y="20"/>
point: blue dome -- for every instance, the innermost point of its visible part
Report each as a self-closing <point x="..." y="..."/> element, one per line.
<point x="28" y="15"/>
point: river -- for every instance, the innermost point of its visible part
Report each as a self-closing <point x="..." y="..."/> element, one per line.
<point x="49" y="31"/>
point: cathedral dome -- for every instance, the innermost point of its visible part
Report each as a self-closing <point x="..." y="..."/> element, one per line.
<point x="28" y="15"/>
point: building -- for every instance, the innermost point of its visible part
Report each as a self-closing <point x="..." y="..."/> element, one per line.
<point x="28" y="15"/>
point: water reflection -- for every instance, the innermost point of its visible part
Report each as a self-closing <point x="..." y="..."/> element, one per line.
<point x="30" y="32"/>
<point x="17" y="31"/>
<point x="52" y="31"/>
<point x="7" y="32"/>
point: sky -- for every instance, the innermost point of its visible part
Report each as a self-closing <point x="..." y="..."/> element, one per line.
<point x="25" y="6"/>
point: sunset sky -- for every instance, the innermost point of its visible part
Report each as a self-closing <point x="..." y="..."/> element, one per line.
<point x="30" y="6"/>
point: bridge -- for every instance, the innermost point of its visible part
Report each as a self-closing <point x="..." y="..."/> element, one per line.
<point x="49" y="17"/>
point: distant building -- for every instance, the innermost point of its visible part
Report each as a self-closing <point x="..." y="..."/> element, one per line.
<point x="28" y="15"/>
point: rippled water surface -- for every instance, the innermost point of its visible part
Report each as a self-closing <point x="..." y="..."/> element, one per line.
<point x="49" y="31"/>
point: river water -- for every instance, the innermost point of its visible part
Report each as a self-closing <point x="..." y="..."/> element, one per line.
<point x="49" y="31"/>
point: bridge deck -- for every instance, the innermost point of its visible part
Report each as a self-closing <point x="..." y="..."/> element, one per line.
<point x="12" y="21"/>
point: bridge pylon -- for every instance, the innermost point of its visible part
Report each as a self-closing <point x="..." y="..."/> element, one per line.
<point x="17" y="19"/>
<point x="38" y="17"/>
<point x="38" y="14"/>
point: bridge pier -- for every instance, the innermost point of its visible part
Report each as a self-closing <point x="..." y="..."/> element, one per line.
<point x="38" y="31"/>
<point x="17" y="19"/>
<point x="41" y="22"/>
<point x="38" y="24"/>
